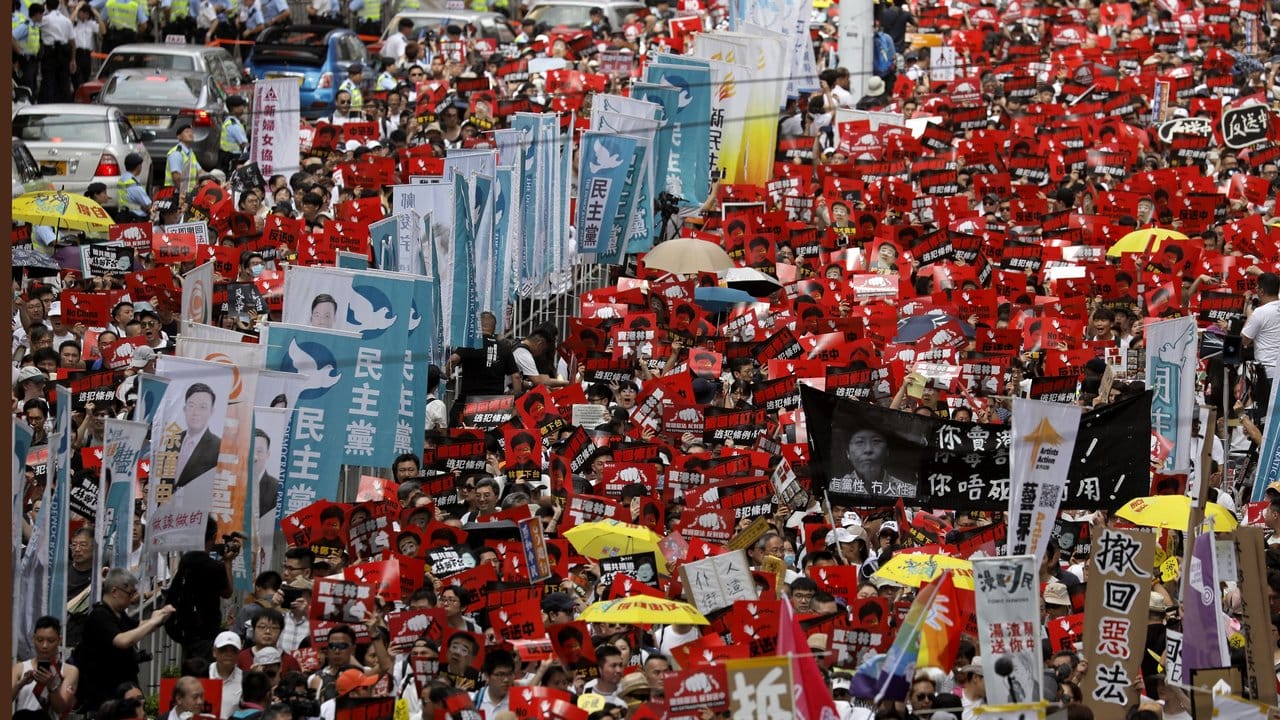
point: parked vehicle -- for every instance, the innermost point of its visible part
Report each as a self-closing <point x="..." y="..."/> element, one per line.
<point x="577" y="13"/>
<point x="317" y="56"/>
<point x="215" y="61"/>
<point x="157" y="101"/>
<point x="76" y="145"/>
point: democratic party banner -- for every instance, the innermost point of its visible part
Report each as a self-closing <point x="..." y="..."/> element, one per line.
<point x="197" y="294"/>
<point x="1269" y="454"/>
<point x="1202" y="610"/>
<point x="122" y="445"/>
<point x="463" y="305"/>
<point x="1116" y="602"/>
<point x="1044" y="435"/>
<point x="1171" y="375"/>
<point x="419" y="352"/>
<point x="186" y="441"/>
<point x="377" y="307"/>
<point x="863" y="454"/>
<point x="642" y="120"/>
<point x="230" y="496"/>
<point x="274" y="141"/>
<point x="506" y="241"/>
<point x="1007" y="606"/>
<point x="687" y="168"/>
<point x="266" y="468"/>
<point x="327" y="360"/>
<point x="56" y="562"/>
<point x="29" y="561"/>
<point x="602" y="172"/>
<point x="729" y="107"/>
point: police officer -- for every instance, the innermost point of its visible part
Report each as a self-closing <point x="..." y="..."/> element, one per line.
<point x="181" y="166"/>
<point x="26" y="44"/>
<point x="126" y="23"/>
<point x="234" y="138"/>
<point x="368" y="16"/>
<point x="179" y="18"/>
<point x="57" y="55"/>
<point x="355" y="78"/>
<point x="132" y="203"/>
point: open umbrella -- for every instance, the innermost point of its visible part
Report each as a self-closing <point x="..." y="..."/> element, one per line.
<point x="611" y="538"/>
<point x="687" y="256"/>
<point x="751" y="280"/>
<point x="62" y="210"/>
<point x="1173" y="512"/>
<point x="911" y="329"/>
<point x="643" y="610"/>
<point x="916" y="569"/>
<point x="26" y="256"/>
<point x="718" y="299"/>
<point x="1138" y="241"/>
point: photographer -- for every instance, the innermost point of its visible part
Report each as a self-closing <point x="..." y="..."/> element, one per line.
<point x="110" y="637"/>
<point x="202" y="581"/>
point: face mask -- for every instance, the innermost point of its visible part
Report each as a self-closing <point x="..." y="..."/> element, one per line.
<point x="789" y="559"/>
<point x="256" y="270"/>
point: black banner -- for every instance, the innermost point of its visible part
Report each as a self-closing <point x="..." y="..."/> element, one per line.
<point x="965" y="466"/>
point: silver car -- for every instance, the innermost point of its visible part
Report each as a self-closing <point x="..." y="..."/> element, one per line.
<point x="577" y="13"/>
<point x="159" y="100"/>
<point x="76" y="145"/>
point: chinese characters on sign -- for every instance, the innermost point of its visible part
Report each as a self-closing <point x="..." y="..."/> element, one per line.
<point x="1116" y="611"/>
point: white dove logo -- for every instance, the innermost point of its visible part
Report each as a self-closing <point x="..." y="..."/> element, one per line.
<point x="306" y="365"/>
<point x="685" y="97"/>
<point x="362" y="314"/>
<point x="602" y="159"/>
<point x="415" y="317"/>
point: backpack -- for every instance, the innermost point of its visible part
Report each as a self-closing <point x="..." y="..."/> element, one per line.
<point x="183" y="599"/>
<point x="882" y="54"/>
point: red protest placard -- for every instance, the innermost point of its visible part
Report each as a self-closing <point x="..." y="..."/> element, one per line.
<point x="119" y="353"/>
<point x="697" y="688"/>
<point x="572" y="645"/>
<point x="212" y="696"/>
<point x="169" y="248"/>
<point x="86" y="308"/>
<point x="519" y="621"/>
<point x="132" y="235"/>
<point x="407" y="626"/>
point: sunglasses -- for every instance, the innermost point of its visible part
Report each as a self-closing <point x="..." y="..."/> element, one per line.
<point x="339" y="646"/>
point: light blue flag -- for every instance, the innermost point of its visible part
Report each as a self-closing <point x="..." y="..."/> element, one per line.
<point x="411" y="416"/>
<point x="352" y="261"/>
<point x="56" y="587"/>
<point x="28" y="562"/>
<point x="383" y="240"/>
<point x="668" y="98"/>
<point x="560" y="256"/>
<point x="122" y="448"/>
<point x="436" y="313"/>
<point x="687" y="172"/>
<point x="1269" y="456"/>
<point x="150" y="392"/>
<point x="603" y="164"/>
<point x="464" y="330"/>
<point x="482" y="188"/>
<point x="634" y="218"/>
<point x="380" y="311"/>
<point x="505" y="224"/>
<point x="318" y="437"/>
<point x="528" y="194"/>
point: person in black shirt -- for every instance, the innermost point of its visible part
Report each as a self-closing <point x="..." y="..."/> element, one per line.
<point x="202" y="580"/>
<point x="107" y="651"/>
<point x="484" y="369"/>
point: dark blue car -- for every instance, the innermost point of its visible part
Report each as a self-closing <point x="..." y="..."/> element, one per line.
<point x="317" y="55"/>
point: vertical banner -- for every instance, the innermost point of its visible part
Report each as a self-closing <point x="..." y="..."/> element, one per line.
<point x="1202" y="611"/>
<point x="122" y="445"/>
<point x="411" y="413"/>
<point x="186" y="444"/>
<point x="602" y="173"/>
<point x="464" y="308"/>
<point x="1269" y="453"/>
<point x="197" y="295"/>
<point x="266" y="468"/>
<point x="1116" y="602"/>
<point x="151" y="389"/>
<point x="1044" y="435"/>
<point x="854" y="41"/>
<point x="1251" y="556"/>
<point x="687" y="172"/>
<point x="27" y="581"/>
<point x="55" y="595"/>
<point x="1171" y="374"/>
<point x="384" y="241"/>
<point x="274" y="142"/>
<point x="230" y="497"/>
<point x="506" y="223"/>
<point x="325" y="359"/>
<point x="1007" y="604"/>
<point x="760" y="687"/>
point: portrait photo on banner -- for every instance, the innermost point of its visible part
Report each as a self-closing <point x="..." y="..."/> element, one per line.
<point x="875" y="458"/>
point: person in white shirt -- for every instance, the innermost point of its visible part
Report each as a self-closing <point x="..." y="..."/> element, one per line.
<point x="1262" y="332"/>
<point x="226" y="649"/>
<point x="88" y="31"/>
<point x="393" y="48"/>
<point x="499" y="672"/>
<point x="188" y="698"/>
<point x="58" y="55"/>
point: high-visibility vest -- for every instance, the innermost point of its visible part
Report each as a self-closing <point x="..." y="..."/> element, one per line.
<point x="386" y="81"/>
<point x="122" y="14"/>
<point x="227" y="144"/>
<point x="410" y="4"/>
<point x="179" y="9"/>
<point x="30" y="46"/>
<point x="357" y="97"/>
<point x="122" y="194"/>
<point x="371" y="11"/>
<point x="190" y="170"/>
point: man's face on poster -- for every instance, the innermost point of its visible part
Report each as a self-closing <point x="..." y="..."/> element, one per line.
<point x="868" y="451"/>
<point x="260" y="449"/>
<point x="196" y="411"/>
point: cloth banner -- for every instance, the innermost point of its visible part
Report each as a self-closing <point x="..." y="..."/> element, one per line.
<point x="1171" y="375"/>
<point x="1007" y="605"/>
<point x="1044" y="434"/>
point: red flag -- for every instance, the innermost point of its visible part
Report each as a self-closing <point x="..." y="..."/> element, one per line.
<point x="813" y="697"/>
<point x="940" y="634"/>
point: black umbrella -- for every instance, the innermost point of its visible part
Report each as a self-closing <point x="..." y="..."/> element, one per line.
<point x="478" y="532"/>
<point x="34" y="262"/>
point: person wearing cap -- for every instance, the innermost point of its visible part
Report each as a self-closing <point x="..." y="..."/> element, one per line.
<point x="29" y="383"/>
<point x="234" y="139"/>
<point x="635" y="689"/>
<point x="152" y="328"/>
<point x="352" y="683"/>
<point x="181" y="165"/>
<point x="142" y="361"/>
<point x="132" y="202"/>
<point x="557" y="607"/>
<point x="975" y="688"/>
<point x="226" y="648"/>
<point x="1057" y="603"/>
<point x="351" y="86"/>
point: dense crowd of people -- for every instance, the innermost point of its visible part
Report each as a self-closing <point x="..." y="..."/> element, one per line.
<point x="1040" y="138"/>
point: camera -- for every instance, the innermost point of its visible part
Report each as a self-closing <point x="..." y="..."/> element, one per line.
<point x="232" y="539"/>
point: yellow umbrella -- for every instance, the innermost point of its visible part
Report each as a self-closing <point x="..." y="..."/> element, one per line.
<point x="611" y="538"/>
<point x="1173" y="512"/>
<point x="1139" y="240"/>
<point x="916" y="569"/>
<point x="687" y="256"/>
<point x="643" y="610"/>
<point x="62" y="210"/>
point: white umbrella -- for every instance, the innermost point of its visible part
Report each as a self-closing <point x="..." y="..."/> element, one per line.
<point x="687" y="256"/>
<point x="751" y="280"/>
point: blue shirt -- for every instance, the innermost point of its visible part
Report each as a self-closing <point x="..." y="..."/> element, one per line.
<point x="176" y="162"/>
<point x="236" y="133"/>
<point x="272" y="8"/>
<point x="136" y="195"/>
<point x="254" y="17"/>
